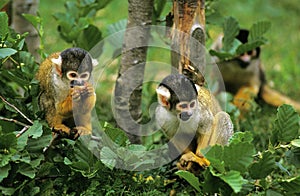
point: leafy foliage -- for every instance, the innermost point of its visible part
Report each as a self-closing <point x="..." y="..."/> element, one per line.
<point x="232" y="47"/>
<point x="76" y="23"/>
<point x="244" y="170"/>
<point x="244" y="167"/>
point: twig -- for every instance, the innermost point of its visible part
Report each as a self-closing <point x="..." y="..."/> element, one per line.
<point x="15" y="108"/>
<point x="14" y="121"/>
<point x="23" y="131"/>
<point x="51" y="142"/>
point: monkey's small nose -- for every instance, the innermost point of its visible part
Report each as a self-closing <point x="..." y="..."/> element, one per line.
<point x="76" y="83"/>
<point x="185" y="116"/>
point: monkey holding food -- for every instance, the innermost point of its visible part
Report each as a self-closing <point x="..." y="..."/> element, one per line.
<point x="191" y="111"/>
<point x="66" y="92"/>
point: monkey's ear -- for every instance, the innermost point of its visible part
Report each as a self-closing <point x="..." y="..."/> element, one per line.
<point x="163" y="96"/>
<point x="57" y="62"/>
<point x="94" y="62"/>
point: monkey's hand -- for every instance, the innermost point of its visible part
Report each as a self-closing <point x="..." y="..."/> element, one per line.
<point x="62" y="130"/>
<point x="84" y="98"/>
<point x="186" y="161"/>
<point x="80" y="130"/>
<point x="74" y="133"/>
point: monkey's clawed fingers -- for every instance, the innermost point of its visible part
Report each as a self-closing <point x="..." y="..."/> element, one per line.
<point x="82" y="92"/>
<point x="187" y="159"/>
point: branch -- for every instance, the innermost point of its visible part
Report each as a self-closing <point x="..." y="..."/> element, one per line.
<point x="188" y="39"/>
<point x="26" y="127"/>
<point x="22" y="131"/>
<point x="15" y="108"/>
<point x="14" y="121"/>
<point x="18" y="123"/>
<point x="128" y="90"/>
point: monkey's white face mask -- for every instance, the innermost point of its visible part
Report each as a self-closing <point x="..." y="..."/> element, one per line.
<point x="184" y="117"/>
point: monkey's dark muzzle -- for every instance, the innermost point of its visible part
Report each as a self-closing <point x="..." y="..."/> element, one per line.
<point x="185" y="116"/>
<point x="76" y="83"/>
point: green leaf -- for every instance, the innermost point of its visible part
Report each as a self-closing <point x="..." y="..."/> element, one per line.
<point x="257" y="30"/>
<point x="27" y="170"/>
<point x="271" y="192"/>
<point x="293" y="157"/>
<point x="6" y="52"/>
<point x="102" y="3"/>
<point x="86" y="2"/>
<point x="33" y="19"/>
<point x="263" y="167"/>
<point x="7" y="191"/>
<point x="234" y="180"/>
<point x="89" y="37"/>
<point x="8" y="141"/>
<point x="5" y="158"/>
<point x="83" y="160"/>
<point x="215" y="18"/>
<point x="231" y="30"/>
<point x="286" y="124"/>
<point x="249" y="46"/>
<point x="238" y="156"/>
<point x="291" y="186"/>
<point x="37" y="145"/>
<point x="108" y="157"/>
<point x="116" y="135"/>
<point x="296" y="142"/>
<point x="190" y="178"/>
<point x="239" y="137"/>
<point x="4" y="172"/>
<point x="215" y="156"/>
<point x="117" y="28"/>
<point x="3" y="24"/>
<point x="221" y="55"/>
<point x="35" y="131"/>
<point x="72" y="9"/>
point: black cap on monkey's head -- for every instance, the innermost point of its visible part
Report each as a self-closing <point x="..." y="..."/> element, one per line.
<point x="76" y="59"/>
<point x="243" y="37"/>
<point x="179" y="88"/>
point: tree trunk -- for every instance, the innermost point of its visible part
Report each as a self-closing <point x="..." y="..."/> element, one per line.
<point x="21" y="25"/>
<point x="128" y="90"/>
<point x="188" y="38"/>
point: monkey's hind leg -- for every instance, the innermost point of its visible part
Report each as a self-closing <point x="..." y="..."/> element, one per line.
<point x="222" y="130"/>
<point x="244" y="97"/>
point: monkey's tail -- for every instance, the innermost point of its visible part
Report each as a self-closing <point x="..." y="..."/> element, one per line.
<point x="275" y="98"/>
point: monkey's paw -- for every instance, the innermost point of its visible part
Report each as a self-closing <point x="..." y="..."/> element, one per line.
<point x="61" y="130"/>
<point x="82" y="92"/>
<point x="186" y="161"/>
<point x="78" y="131"/>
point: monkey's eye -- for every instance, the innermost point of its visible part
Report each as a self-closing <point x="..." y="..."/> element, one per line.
<point x="192" y="104"/>
<point x="183" y="106"/>
<point x="71" y="75"/>
<point x="84" y="76"/>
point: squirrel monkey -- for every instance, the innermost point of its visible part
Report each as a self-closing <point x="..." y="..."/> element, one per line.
<point x="245" y="78"/>
<point x="191" y="111"/>
<point x="67" y="95"/>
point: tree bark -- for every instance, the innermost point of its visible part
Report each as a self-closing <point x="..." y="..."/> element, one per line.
<point x="21" y="25"/>
<point x="128" y="89"/>
<point x="188" y="38"/>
